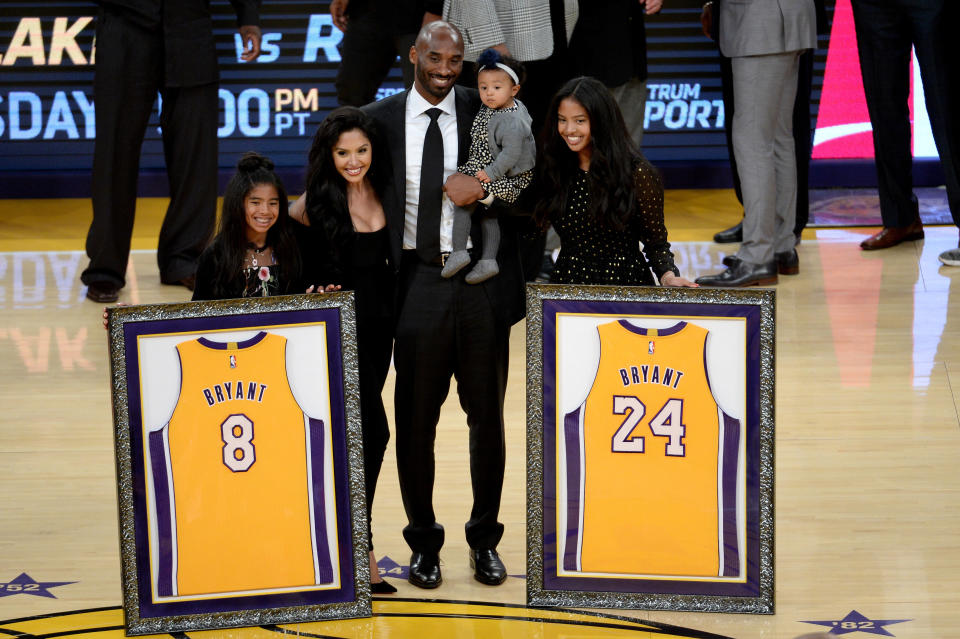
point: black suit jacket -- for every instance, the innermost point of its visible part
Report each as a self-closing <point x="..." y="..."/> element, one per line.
<point x="505" y="290"/>
<point x="186" y="26"/>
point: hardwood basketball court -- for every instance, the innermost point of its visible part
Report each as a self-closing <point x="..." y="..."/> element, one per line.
<point x="867" y="448"/>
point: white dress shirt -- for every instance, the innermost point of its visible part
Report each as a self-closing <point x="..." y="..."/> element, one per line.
<point x="416" y="122"/>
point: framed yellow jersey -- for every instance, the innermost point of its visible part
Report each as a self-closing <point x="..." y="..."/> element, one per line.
<point x="646" y="456"/>
<point x="239" y="462"/>
<point x="649" y="444"/>
<point x="235" y="477"/>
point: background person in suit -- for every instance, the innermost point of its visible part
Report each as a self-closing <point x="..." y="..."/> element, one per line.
<point x="445" y="327"/>
<point x="375" y="33"/>
<point x="535" y="32"/>
<point x="764" y="40"/>
<point x="609" y="43"/>
<point x="886" y="31"/>
<point x="146" y="46"/>
<point x="802" y="137"/>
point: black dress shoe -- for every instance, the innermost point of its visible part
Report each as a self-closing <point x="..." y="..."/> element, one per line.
<point x="425" y="570"/>
<point x="189" y="282"/>
<point x="730" y="235"/>
<point x="788" y="262"/>
<point x="487" y="567"/>
<point x="103" y="291"/>
<point x="381" y="588"/>
<point x="742" y="274"/>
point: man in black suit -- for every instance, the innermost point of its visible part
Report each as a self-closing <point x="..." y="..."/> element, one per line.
<point x="886" y="31"/>
<point x="145" y="47"/>
<point x="445" y="327"/>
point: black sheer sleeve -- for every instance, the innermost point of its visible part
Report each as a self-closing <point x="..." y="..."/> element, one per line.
<point x="647" y="223"/>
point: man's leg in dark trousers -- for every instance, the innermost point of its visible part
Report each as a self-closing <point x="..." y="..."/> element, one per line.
<point x="188" y="120"/>
<point x="447" y="327"/>
<point x="883" y="41"/>
<point x="129" y="70"/>
<point x="936" y="55"/>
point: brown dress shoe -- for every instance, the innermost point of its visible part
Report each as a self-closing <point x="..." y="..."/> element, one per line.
<point x="893" y="235"/>
<point x="103" y="292"/>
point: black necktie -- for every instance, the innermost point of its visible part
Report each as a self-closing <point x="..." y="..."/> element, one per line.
<point x="431" y="191"/>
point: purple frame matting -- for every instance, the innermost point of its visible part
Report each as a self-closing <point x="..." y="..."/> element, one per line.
<point x="559" y="438"/>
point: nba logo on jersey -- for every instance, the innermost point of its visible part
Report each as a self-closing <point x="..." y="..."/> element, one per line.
<point x="233" y="361"/>
<point x="650" y="348"/>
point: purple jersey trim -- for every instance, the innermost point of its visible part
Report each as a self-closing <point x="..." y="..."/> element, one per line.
<point x="748" y="429"/>
<point x="222" y="346"/>
<point x="322" y="546"/>
<point x="158" y="462"/>
<point x="731" y="455"/>
<point x="347" y="591"/>
<point x="571" y="437"/>
<point x="661" y="332"/>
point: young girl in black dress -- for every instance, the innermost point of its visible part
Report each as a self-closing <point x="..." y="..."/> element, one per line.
<point x="343" y="223"/>
<point x="254" y="252"/>
<point x="601" y="195"/>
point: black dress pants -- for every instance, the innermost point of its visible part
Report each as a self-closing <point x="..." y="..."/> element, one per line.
<point x="129" y="73"/>
<point x="447" y="328"/>
<point x="368" y="52"/>
<point x="802" y="141"/>
<point x="886" y="30"/>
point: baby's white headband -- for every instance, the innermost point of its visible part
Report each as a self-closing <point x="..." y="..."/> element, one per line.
<point x="505" y="69"/>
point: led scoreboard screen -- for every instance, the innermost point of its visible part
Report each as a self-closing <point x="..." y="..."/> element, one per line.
<point x="273" y="105"/>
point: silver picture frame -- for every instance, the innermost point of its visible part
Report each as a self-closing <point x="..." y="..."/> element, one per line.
<point x="565" y="568"/>
<point x="314" y="336"/>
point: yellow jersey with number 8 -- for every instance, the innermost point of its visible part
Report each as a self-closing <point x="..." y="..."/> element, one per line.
<point x="244" y="493"/>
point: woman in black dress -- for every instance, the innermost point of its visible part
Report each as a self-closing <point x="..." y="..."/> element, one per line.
<point x="345" y="242"/>
<point x="601" y="195"/>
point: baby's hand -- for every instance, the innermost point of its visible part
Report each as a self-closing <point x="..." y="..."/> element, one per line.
<point x="483" y="177"/>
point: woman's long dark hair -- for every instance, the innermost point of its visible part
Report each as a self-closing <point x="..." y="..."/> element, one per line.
<point x="326" y="188"/>
<point x="229" y="246"/>
<point x="613" y="159"/>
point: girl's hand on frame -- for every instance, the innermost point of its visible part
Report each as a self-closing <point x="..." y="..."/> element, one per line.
<point x="672" y="279"/>
<point x="329" y="288"/>
<point x="106" y="326"/>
